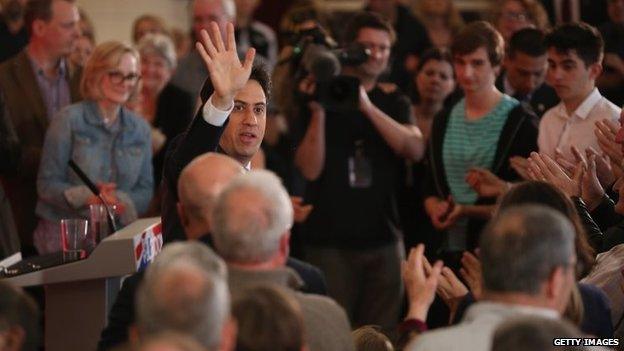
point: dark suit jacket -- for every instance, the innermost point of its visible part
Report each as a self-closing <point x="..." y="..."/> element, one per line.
<point x="542" y="99"/>
<point x="28" y="114"/>
<point x="122" y="314"/>
<point x="174" y="112"/>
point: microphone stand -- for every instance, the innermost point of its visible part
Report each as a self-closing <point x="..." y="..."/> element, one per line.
<point x="94" y="189"/>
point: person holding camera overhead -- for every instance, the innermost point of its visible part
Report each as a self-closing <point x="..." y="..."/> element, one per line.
<point x="107" y="141"/>
<point x="351" y="157"/>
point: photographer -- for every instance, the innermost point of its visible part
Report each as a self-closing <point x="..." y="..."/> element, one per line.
<point x="351" y="160"/>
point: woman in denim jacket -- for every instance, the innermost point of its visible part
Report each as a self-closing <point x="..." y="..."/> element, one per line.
<point x="107" y="141"/>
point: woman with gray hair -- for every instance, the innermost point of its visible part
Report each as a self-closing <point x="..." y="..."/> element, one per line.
<point x="166" y="108"/>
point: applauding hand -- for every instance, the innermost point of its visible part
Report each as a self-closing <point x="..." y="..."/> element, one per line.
<point x="227" y="74"/>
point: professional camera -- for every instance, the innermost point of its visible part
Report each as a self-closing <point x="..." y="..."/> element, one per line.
<point x="317" y="54"/>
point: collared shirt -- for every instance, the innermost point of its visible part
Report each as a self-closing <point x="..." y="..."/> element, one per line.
<point x="558" y="130"/>
<point x="54" y="91"/>
<point x="474" y="333"/>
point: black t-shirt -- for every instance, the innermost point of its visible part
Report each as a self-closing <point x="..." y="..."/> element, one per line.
<point x="356" y="217"/>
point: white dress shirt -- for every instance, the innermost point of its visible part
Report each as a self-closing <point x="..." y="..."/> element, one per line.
<point x="558" y="130"/>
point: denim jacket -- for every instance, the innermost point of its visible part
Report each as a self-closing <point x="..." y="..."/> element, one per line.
<point x="120" y="153"/>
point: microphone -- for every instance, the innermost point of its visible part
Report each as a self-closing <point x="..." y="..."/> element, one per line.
<point x="94" y="189"/>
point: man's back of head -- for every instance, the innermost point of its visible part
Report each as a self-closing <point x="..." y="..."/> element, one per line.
<point x="19" y="320"/>
<point x="252" y="218"/>
<point x="529" y="251"/>
<point x="198" y="186"/>
<point x="534" y="333"/>
<point x="185" y="290"/>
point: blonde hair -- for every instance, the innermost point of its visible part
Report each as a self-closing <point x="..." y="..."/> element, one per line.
<point x="106" y="56"/>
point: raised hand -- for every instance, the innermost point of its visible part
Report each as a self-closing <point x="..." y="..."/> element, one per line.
<point x="604" y="170"/>
<point x="544" y="168"/>
<point x="485" y="183"/>
<point x="227" y="74"/>
<point x="420" y="286"/>
<point x="472" y="273"/>
<point x="591" y="190"/>
<point x="520" y="165"/>
<point x="606" y="131"/>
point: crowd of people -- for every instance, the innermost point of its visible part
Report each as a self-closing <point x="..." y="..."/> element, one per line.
<point x="403" y="177"/>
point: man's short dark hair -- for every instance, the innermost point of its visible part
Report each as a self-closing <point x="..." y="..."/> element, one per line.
<point x="522" y="246"/>
<point x="479" y="34"/>
<point x="259" y="73"/>
<point x="529" y="41"/>
<point x="366" y="19"/>
<point x="584" y="39"/>
<point x="38" y="10"/>
<point x="19" y="310"/>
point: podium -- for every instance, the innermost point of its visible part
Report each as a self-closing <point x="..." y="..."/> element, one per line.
<point x="79" y="295"/>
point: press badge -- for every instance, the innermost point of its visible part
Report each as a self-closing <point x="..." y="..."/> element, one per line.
<point x="360" y="169"/>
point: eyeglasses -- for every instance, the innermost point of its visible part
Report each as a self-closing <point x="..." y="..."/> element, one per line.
<point x="515" y="16"/>
<point x="117" y="77"/>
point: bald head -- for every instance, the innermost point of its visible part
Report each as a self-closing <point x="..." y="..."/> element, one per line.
<point x="199" y="184"/>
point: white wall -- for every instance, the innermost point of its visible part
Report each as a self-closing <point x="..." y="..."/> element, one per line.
<point x="113" y="18"/>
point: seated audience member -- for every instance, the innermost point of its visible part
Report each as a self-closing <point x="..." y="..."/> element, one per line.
<point x="192" y="71"/>
<point x="268" y="318"/>
<point x="509" y="16"/>
<point x="251" y="224"/>
<point x="370" y="338"/>
<point x="528" y="269"/>
<point x="524" y="71"/>
<point x="107" y="141"/>
<point x="13" y="32"/>
<point x="185" y="291"/>
<point x="442" y="20"/>
<point x="533" y="333"/>
<point x="254" y="34"/>
<point x="574" y="62"/>
<point x="411" y="39"/>
<point x="595" y="313"/>
<point x="167" y="108"/>
<point x="147" y="24"/>
<point x="19" y="320"/>
<point x="611" y="81"/>
<point x="169" y="341"/>
<point x="433" y="83"/>
<point x="199" y="184"/>
<point x="484" y="129"/>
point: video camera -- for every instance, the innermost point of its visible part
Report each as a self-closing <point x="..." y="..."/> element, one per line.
<point x="317" y="54"/>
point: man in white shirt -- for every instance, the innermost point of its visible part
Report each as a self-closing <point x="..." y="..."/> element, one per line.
<point x="528" y="261"/>
<point x="574" y="62"/>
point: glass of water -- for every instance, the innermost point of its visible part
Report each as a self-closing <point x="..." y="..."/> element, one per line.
<point x="74" y="239"/>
